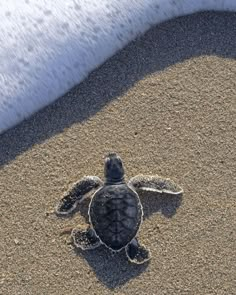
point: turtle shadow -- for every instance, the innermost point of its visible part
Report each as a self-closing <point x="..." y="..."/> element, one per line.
<point x="166" y="204"/>
<point x="114" y="269"/>
<point x="111" y="269"/>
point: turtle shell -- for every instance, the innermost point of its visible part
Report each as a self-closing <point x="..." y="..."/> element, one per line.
<point x="115" y="214"/>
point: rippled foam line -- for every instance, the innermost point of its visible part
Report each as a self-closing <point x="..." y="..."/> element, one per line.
<point x="46" y="49"/>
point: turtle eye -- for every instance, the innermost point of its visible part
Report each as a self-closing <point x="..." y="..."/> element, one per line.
<point x="108" y="163"/>
<point x="120" y="162"/>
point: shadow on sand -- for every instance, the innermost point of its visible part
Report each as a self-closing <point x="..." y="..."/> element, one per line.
<point x="111" y="269"/>
<point x="114" y="269"/>
<point x="160" y="48"/>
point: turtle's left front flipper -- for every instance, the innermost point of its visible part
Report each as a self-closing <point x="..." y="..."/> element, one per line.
<point x="76" y="194"/>
<point x="155" y="184"/>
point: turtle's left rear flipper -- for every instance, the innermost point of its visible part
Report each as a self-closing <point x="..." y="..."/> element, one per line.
<point x="76" y="194"/>
<point x="155" y="183"/>
<point x="85" y="239"/>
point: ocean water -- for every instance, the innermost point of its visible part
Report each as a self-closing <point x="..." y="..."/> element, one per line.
<point x="47" y="47"/>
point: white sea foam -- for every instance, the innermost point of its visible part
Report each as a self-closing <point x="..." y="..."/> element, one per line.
<point x="47" y="47"/>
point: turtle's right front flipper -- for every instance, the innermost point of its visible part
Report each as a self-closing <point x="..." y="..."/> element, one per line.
<point x="155" y="183"/>
<point x="76" y="194"/>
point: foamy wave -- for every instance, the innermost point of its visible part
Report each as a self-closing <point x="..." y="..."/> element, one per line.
<point x="47" y="47"/>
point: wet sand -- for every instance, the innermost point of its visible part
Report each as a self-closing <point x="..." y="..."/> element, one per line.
<point x="166" y="104"/>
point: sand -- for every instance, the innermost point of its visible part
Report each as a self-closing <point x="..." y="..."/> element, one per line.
<point x="166" y="104"/>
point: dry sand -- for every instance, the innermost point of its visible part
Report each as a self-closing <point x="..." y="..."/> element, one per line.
<point x="167" y="104"/>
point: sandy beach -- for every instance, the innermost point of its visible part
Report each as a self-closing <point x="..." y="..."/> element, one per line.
<point x="167" y="105"/>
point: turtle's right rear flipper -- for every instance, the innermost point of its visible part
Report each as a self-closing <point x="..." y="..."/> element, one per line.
<point x="76" y="194"/>
<point x="137" y="253"/>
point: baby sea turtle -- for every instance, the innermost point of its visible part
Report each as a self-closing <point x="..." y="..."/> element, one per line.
<point x="115" y="211"/>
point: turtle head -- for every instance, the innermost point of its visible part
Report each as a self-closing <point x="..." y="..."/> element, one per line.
<point x="113" y="170"/>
